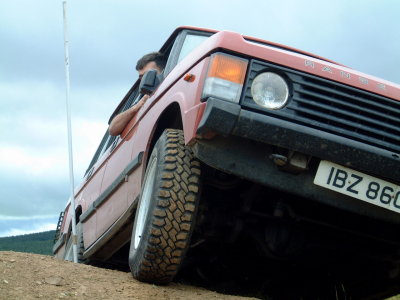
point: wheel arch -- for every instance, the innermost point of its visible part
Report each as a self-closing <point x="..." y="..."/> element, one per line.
<point x="78" y="212"/>
<point x="171" y="117"/>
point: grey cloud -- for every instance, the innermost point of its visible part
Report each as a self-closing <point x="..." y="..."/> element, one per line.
<point x="22" y="225"/>
<point x="26" y="196"/>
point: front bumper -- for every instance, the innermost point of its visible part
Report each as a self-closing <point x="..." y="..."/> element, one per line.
<point x="245" y="140"/>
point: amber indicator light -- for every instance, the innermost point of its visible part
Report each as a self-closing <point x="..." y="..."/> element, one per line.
<point x="189" y="77"/>
<point x="228" y="68"/>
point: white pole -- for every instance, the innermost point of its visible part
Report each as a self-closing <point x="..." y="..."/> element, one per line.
<point x="71" y="164"/>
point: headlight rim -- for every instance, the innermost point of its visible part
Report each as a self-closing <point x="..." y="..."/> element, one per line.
<point x="285" y="80"/>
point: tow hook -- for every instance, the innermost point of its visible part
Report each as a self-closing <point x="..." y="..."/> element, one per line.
<point x="294" y="162"/>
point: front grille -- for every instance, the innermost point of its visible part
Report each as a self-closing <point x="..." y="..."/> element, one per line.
<point x="335" y="108"/>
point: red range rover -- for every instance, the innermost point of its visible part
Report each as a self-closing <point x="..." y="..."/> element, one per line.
<point x="249" y="157"/>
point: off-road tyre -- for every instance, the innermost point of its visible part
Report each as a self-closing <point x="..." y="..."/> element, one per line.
<point x="80" y="247"/>
<point x="80" y="244"/>
<point x="168" y="210"/>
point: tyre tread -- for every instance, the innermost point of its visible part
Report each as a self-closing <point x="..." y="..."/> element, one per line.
<point x="173" y="218"/>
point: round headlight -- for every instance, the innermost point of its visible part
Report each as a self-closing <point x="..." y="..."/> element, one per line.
<point x="270" y="90"/>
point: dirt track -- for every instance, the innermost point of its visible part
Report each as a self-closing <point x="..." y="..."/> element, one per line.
<point x="32" y="276"/>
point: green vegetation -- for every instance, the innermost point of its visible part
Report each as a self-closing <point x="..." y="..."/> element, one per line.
<point x="39" y="243"/>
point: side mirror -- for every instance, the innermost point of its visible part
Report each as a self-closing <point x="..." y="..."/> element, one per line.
<point x="149" y="82"/>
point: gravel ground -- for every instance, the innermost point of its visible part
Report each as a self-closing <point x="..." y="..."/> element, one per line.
<point x="32" y="276"/>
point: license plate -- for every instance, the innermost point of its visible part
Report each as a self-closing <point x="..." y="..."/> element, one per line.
<point x="358" y="185"/>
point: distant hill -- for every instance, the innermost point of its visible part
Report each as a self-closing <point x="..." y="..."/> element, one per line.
<point x="39" y="243"/>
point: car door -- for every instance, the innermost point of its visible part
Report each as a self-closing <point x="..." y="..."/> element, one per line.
<point x="90" y="190"/>
<point x="113" y="199"/>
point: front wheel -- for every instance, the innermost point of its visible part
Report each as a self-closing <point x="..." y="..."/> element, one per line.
<point x="166" y="210"/>
<point x="69" y="255"/>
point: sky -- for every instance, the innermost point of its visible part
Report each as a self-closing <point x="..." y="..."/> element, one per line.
<point x="106" y="37"/>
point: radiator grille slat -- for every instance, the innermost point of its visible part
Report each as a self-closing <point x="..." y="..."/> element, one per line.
<point x="354" y="119"/>
<point x="334" y="107"/>
<point x="349" y="105"/>
<point x="354" y="95"/>
<point x="344" y="127"/>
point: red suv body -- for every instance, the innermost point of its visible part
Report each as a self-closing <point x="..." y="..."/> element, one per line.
<point x="248" y="140"/>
